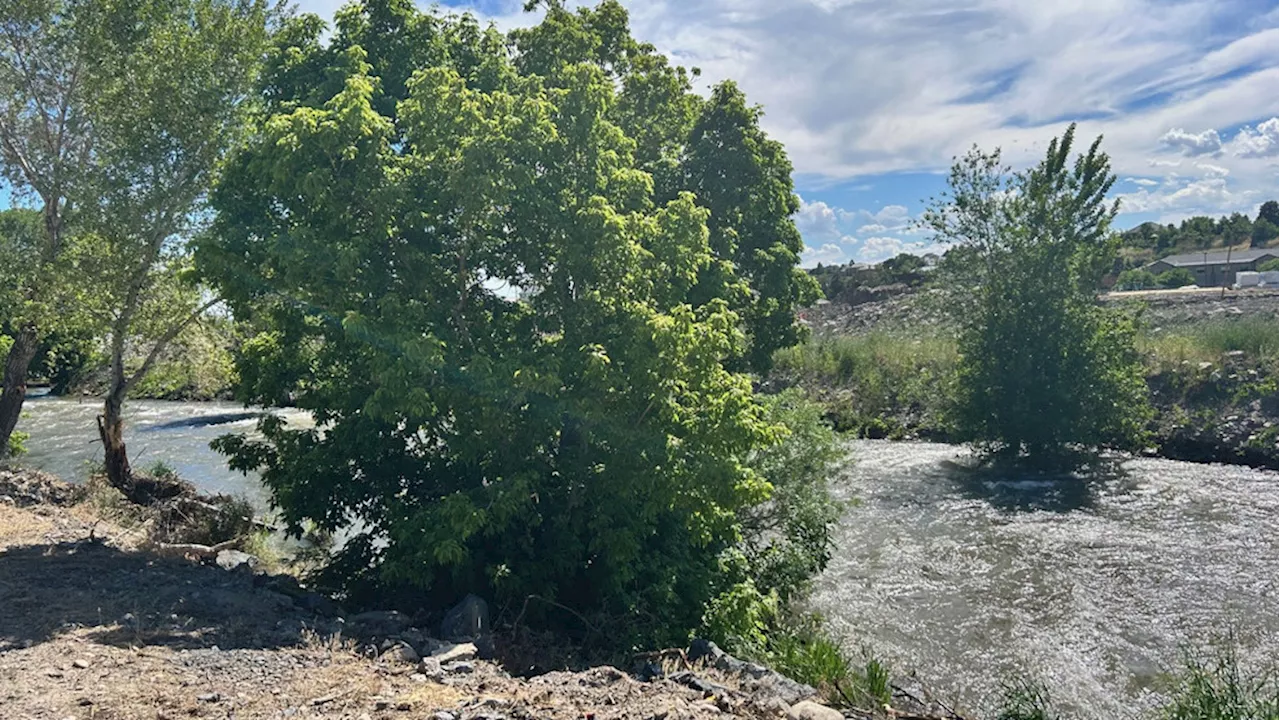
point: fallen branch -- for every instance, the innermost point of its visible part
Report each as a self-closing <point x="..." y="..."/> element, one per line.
<point x="326" y="699"/>
<point x="204" y="552"/>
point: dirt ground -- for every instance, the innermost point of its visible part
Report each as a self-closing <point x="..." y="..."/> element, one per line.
<point x="92" y="628"/>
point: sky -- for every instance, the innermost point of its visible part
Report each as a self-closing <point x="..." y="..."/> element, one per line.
<point x="874" y="98"/>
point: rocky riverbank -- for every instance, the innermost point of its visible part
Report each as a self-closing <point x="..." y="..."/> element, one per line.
<point x="881" y="368"/>
<point x="100" y="622"/>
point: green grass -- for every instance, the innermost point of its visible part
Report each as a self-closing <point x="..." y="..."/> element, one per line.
<point x="867" y="360"/>
<point x="1024" y="699"/>
<point x="867" y="379"/>
<point x="1256" y="337"/>
<point x="802" y="650"/>
<point x="1214" y="686"/>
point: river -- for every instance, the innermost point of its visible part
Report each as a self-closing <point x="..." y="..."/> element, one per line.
<point x="1093" y="588"/>
<point x="64" y="438"/>
<point x="962" y="578"/>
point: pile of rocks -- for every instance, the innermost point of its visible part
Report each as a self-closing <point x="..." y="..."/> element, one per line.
<point x="25" y="487"/>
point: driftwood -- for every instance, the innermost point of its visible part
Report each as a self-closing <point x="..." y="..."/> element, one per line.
<point x="204" y="552"/>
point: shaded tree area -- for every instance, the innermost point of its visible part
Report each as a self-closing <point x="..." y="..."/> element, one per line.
<point x="517" y="280"/>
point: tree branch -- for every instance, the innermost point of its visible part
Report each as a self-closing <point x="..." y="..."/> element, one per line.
<point x="165" y="339"/>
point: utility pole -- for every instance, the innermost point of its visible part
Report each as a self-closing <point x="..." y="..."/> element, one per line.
<point x="1228" y="271"/>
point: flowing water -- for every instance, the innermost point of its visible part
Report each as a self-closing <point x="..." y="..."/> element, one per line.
<point x="963" y="578"/>
<point x="64" y="438"/>
<point x="1094" y="588"/>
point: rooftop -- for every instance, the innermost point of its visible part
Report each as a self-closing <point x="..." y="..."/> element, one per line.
<point x="1217" y="257"/>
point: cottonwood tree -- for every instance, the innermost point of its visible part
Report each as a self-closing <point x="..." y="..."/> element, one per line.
<point x="45" y="140"/>
<point x="172" y="79"/>
<point x="498" y="275"/>
<point x="157" y="94"/>
<point x="1044" y="369"/>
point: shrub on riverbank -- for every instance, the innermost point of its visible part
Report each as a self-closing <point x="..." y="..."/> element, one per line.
<point x="1043" y="370"/>
<point x="527" y="354"/>
<point x="1212" y="383"/>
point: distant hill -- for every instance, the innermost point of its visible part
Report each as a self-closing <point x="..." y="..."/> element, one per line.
<point x="1151" y="241"/>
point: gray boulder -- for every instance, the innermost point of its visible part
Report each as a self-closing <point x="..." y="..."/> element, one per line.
<point x="466" y="621"/>
<point x="377" y="623"/>
<point x="232" y="559"/>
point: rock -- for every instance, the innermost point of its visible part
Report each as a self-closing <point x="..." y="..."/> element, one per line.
<point x="452" y="653"/>
<point x="650" y="671"/>
<point x="782" y="687"/>
<point x="212" y="697"/>
<point x="809" y="710"/>
<point x="430" y="668"/>
<point x="467" y="620"/>
<point x="443" y="715"/>
<point x="379" y="623"/>
<point x="704" y="649"/>
<point x="81" y="663"/>
<point x="460" y="668"/>
<point x="232" y="559"/>
<point x="691" y="680"/>
<point x="418" y="677"/>
<point x="402" y="653"/>
<point x="486" y="648"/>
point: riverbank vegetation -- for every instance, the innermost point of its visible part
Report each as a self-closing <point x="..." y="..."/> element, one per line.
<point x="1211" y="383"/>
<point x="524" y="284"/>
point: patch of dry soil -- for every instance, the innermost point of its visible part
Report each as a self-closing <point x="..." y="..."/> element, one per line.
<point x="92" y="628"/>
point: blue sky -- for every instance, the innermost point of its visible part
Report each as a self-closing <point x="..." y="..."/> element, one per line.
<point x="873" y="98"/>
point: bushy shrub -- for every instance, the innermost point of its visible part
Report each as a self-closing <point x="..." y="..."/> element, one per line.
<point x="519" y="302"/>
<point x="786" y="541"/>
<point x="1136" y="279"/>
<point x="1176" y="278"/>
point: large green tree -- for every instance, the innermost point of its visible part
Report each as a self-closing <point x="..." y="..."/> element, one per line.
<point x="170" y="87"/>
<point x="498" y="278"/>
<point x="113" y="117"/>
<point x="1044" y="369"/>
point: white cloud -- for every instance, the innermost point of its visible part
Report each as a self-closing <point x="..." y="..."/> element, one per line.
<point x="1258" y="142"/>
<point x="828" y="254"/>
<point x="887" y="219"/>
<point x="1144" y="182"/>
<point x="1213" y="170"/>
<point x="1193" y="144"/>
<point x="858" y="88"/>
<point x="1206" y="196"/>
<point x="878" y="249"/>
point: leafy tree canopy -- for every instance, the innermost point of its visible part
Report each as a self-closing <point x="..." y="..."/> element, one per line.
<point x="1043" y="369"/>
<point x="515" y="280"/>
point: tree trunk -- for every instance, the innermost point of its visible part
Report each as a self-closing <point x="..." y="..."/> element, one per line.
<point x="111" y="431"/>
<point x="15" y="384"/>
